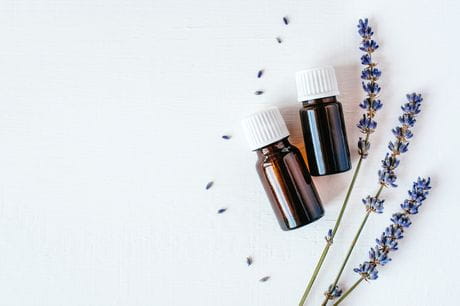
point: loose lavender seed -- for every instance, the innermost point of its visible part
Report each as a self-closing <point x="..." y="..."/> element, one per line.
<point x="286" y="20"/>
<point x="264" y="279"/>
<point x="279" y="40"/>
<point x="259" y="74"/>
<point x="221" y="211"/>
<point x="209" y="185"/>
<point x="226" y="137"/>
<point x="249" y="260"/>
<point x="258" y="92"/>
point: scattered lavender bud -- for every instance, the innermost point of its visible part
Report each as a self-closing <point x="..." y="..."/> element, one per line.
<point x="258" y="92"/>
<point x="279" y="40"/>
<point x="226" y="137"/>
<point x="209" y="185"/>
<point x="249" y="260"/>
<point x="260" y="73"/>
<point x="222" y="210"/>
<point x="285" y="20"/>
<point x="264" y="279"/>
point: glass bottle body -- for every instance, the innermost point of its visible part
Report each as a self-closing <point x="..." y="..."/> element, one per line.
<point x="288" y="184"/>
<point x="325" y="136"/>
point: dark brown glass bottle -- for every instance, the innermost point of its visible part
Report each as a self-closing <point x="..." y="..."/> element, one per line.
<point x="282" y="170"/>
<point x="322" y="122"/>
<point x="288" y="184"/>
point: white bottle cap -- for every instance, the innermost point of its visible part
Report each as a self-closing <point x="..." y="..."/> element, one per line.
<point x="316" y="83"/>
<point x="264" y="128"/>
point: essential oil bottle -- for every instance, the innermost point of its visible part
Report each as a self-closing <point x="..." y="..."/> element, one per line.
<point x="282" y="170"/>
<point x="322" y="122"/>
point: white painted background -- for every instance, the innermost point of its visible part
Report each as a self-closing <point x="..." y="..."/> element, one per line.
<point x="111" y="115"/>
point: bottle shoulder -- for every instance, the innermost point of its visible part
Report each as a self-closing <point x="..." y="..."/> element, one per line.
<point x="321" y="105"/>
<point x="277" y="156"/>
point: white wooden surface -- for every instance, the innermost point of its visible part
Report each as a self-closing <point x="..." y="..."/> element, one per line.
<point x="111" y="115"/>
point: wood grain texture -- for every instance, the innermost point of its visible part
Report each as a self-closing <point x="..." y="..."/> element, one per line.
<point x="111" y="121"/>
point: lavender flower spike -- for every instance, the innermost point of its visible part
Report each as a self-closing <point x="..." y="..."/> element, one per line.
<point x="388" y="241"/>
<point x="402" y="133"/>
<point x="370" y="75"/>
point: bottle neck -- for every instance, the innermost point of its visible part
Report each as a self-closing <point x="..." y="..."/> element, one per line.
<point x="318" y="101"/>
<point x="274" y="147"/>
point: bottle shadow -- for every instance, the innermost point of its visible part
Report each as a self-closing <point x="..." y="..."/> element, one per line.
<point x="332" y="186"/>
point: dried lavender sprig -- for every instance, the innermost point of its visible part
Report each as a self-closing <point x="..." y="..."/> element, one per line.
<point x="387" y="175"/>
<point x="402" y="133"/>
<point x="367" y="125"/>
<point x="388" y="242"/>
<point x="370" y="75"/>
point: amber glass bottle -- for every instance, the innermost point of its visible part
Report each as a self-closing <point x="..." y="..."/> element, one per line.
<point x="322" y="122"/>
<point x="282" y="170"/>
